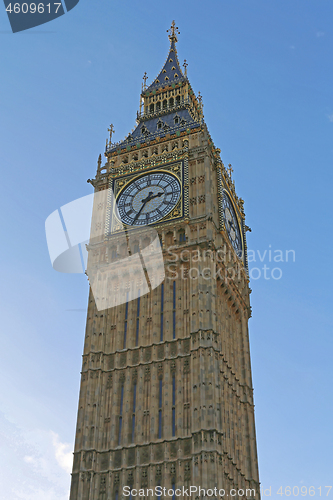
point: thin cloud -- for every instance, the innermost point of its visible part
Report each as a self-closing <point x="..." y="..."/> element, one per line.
<point x="320" y="33"/>
<point x="62" y="455"/>
<point x="330" y="117"/>
<point x="35" y="464"/>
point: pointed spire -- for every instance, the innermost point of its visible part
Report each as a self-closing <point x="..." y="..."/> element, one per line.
<point x="171" y="71"/>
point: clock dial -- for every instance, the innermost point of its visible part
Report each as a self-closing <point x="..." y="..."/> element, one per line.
<point x="148" y="198"/>
<point x="231" y="225"/>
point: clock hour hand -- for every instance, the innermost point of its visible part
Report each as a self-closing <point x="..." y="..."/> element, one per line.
<point x="145" y="201"/>
<point x="156" y="196"/>
<point x="231" y="223"/>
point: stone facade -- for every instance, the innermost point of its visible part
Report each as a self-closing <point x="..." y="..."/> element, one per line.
<point x="166" y="394"/>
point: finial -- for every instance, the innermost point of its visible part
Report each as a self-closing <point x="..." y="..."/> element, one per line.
<point x="111" y="130"/>
<point x="230" y="170"/>
<point x="99" y="161"/>
<point x="173" y="31"/>
<point x="200" y="104"/>
<point x="145" y="78"/>
<point x="185" y="67"/>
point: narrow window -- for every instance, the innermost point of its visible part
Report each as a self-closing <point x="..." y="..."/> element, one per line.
<point x="162" y="310"/>
<point x="125" y="326"/>
<point x="174" y="311"/>
<point x="121" y="413"/>
<point x="160" y="410"/>
<point x="133" y="416"/>
<point x="182" y="237"/>
<point x="173" y="405"/>
<point x="137" y="321"/>
<point x="116" y="497"/>
<point x="174" y="494"/>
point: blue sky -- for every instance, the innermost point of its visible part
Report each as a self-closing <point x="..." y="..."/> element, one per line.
<point x="264" y="69"/>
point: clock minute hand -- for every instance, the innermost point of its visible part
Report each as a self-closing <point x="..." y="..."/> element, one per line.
<point x="145" y="201"/>
<point x="139" y="212"/>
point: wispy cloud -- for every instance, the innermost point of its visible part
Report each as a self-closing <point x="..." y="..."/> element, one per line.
<point x="330" y="117"/>
<point x="63" y="453"/>
<point x="34" y="465"/>
<point x="320" y="33"/>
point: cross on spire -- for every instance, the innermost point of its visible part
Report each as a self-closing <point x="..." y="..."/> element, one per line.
<point x="173" y="31"/>
<point x="230" y="170"/>
<point x="111" y="130"/>
<point x="145" y="78"/>
<point x="185" y="67"/>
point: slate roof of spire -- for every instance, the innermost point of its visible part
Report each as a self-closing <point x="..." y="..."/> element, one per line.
<point x="171" y="71"/>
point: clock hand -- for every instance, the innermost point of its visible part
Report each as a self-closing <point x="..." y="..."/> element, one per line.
<point x="156" y="196"/>
<point x="145" y="201"/>
<point x="139" y="212"/>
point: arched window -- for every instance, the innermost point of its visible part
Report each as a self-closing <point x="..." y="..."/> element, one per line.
<point x="158" y="106"/>
<point x="171" y="101"/>
<point x="182" y="237"/>
<point x="151" y="108"/>
<point x="165" y="104"/>
<point x="177" y="100"/>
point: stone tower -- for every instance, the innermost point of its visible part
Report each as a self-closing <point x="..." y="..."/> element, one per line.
<point x="166" y="395"/>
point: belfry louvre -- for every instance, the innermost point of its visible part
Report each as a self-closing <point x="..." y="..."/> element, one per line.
<point x="166" y="395"/>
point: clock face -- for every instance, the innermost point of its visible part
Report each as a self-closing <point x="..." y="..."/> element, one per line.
<point x="231" y="225"/>
<point x="148" y="198"/>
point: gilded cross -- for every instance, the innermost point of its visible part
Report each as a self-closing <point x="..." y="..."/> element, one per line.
<point x="145" y="78"/>
<point x="173" y="31"/>
<point x="111" y="130"/>
<point x="230" y="170"/>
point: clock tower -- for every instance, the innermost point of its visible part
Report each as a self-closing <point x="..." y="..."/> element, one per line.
<point x="166" y="397"/>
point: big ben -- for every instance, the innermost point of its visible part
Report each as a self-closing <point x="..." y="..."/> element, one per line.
<point x="166" y="399"/>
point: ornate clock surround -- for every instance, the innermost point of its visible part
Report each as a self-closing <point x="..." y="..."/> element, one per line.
<point x="179" y="169"/>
